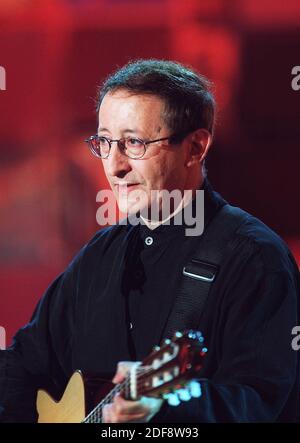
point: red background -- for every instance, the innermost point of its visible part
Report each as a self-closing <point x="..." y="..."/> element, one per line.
<point x="55" y="53"/>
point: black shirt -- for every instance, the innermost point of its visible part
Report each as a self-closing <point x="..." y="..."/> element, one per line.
<point x="112" y="303"/>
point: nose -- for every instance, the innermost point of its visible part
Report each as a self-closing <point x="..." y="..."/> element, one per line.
<point x="117" y="164"/>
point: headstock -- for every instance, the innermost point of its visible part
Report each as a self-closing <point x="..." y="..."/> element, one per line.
<point x="170" y="370"/>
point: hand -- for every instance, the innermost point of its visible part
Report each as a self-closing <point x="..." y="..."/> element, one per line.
<point x="127" y="411"/>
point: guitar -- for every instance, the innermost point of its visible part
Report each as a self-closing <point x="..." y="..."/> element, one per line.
<point x="169" y="372"/>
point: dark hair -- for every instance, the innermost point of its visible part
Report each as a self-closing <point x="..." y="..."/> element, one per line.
<point x="189" y="102"/>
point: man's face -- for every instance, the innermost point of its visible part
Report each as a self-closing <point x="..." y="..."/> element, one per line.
<point x="123" y="114"/>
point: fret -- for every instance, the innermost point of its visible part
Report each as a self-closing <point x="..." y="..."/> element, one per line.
<point x="170" y="372"/>
<point x="95" y="416"/>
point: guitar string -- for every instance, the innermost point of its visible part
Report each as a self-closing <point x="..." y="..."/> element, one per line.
<point x="95" y="416"/>
<point x="96" y="413"/>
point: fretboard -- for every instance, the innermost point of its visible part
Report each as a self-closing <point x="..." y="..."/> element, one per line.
<point x="125" y="388"/>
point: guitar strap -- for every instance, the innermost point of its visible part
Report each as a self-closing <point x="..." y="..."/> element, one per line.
<point x="202" y="268"/>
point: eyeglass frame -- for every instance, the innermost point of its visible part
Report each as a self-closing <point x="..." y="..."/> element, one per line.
<point x="122" y="148"/>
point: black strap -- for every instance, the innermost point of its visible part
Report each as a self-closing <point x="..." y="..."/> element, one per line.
<point x="202" y="268"/>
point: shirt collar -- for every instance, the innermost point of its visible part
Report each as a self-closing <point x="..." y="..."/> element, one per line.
<point x="213" y="201"/>
<point x="155" y="224"/>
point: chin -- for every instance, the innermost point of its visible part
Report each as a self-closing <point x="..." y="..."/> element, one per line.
<point x="130" y="206"/>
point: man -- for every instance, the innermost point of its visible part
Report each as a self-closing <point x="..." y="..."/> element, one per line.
<point x="115" y="300"/>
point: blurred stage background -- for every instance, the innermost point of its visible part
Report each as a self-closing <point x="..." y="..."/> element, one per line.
<point x="56" y="52"/>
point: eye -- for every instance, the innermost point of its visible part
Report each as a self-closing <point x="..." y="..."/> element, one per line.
<point x="101" y="139"/>
<point x="134" y="143"/>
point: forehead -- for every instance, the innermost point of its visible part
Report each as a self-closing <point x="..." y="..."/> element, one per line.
<point x="123" y="106"/>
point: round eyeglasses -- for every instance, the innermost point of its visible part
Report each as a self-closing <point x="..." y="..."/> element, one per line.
<point x="132" y="147"/>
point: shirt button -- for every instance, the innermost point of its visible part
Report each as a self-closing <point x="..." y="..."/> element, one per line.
<point x="130" y="326"/>
<point x="148" y="241"/>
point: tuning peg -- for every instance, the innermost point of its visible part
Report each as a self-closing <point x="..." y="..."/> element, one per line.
<point x="178" y="334"/>
<point x="156" y="348"/>
<point x="195" y="389"/>
<point x="203" y="351"/>
<point x="167" y="341"/>
<point x="172" y="399"/>
<point x="184" y="394"/>
<point x="195" y="335"/>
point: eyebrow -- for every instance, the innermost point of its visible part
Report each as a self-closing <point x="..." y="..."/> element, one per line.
<point x="130" y="131"/>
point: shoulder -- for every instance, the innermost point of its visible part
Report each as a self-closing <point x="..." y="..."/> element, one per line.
<point x="271" y="249"/>
<point x="108" y="238"/>
<point x="102" y="241"/>
<point x="257" y="262"/>
<point x="105" y="235"/>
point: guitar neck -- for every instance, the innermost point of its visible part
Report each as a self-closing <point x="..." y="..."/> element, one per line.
<point x="170" y="372"/>
<point x="95" y="416"/>
<point x="128" y="388"/>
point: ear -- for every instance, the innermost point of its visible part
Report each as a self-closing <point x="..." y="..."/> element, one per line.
<point x="199" y="143"/>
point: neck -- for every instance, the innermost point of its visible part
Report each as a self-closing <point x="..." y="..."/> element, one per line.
<point x="152" y="224"/>
<point x="187" y="196"/>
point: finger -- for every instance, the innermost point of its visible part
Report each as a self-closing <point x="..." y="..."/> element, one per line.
<point x="133" y="418"/>
<point x="121" y="372"/>
<point x="118" y="378"/>
<point x="108" y="415"/>
<point x="143" y="404"/>
<point x="123" y="369"/>
<point x="129" y="407"/>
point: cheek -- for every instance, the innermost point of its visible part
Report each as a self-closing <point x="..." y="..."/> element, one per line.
<point x="171" y="172"/>
<point x="161" y="171"/>
<point x="104" y="163"/>
<point x="155" y="173"/>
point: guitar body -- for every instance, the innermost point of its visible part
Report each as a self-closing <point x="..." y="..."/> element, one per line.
<point x="81" y="395"/>
<point x="169" y="372"/>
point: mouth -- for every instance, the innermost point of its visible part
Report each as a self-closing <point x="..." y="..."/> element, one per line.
<point x="125" y="189"/>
